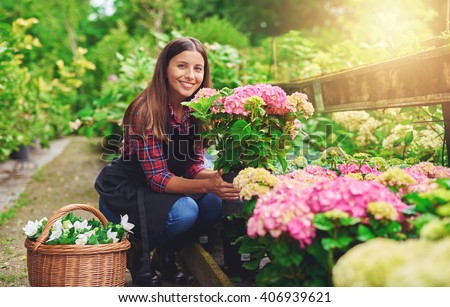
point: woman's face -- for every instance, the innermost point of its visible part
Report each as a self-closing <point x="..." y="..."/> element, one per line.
<point x="185" y="74"/>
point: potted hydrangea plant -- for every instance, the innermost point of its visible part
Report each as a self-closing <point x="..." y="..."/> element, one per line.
<point x="249" y="126"/>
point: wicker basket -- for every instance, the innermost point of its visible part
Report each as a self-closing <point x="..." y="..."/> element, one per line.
<point x="101" y="265"/>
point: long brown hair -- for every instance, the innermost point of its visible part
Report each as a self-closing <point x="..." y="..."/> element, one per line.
<point x="150" y="106"/>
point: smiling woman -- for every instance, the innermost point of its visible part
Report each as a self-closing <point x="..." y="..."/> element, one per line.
<point x="185" y="74"/>
<point x="160" y="180"/>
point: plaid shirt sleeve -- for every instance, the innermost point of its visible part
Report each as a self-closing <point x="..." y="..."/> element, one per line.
<point x="151" y="156"/>
<point x="195" y="165"/>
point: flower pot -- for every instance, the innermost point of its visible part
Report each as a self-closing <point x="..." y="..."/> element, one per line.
<point x="22" y="154"/>
<point x="233" y="260"/>
<point x="230" y="207"/>
<point x="233" y="228"/>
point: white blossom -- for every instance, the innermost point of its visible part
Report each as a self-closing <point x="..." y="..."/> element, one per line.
<point x="81" y="225"/>
<point x="67" y="224"/>
<point x="82" y="239"/>
<point x="31" y="228"/>
<point x="124" y="221"/>
<point x="112" y="235"/>
<point x="55" y="234"/>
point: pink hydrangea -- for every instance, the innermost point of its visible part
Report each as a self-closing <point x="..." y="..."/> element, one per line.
<point x="298" y="102"/>
<point x="301" y="178"/>
<point x="422" y="182"/>
<point x="351" y="196"/>
<point x="291" y="205"/>
<point x="283" y="209"/>
<point x="430" y="170"/>
<point x="320" y="171"/>
<point x="352" y="168"/>
<point x="273" y="96"/>
<point x="205" y="92"/>
<point x="234" y="104"/>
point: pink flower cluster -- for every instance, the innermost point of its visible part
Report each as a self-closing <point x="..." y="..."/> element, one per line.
<point x="430" y="170"/>
<point x="320" y="171"/>
<point x="352" y="168"/>
<point x="351" y="196"/>
<point x="273" y="96"/>
<point x="205" y="92"/>
<point x="299" y="102"/>
<point x="290" y="206"/>
<point x="283" y="209"/>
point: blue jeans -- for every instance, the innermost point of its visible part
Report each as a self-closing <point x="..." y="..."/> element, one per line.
<point x="184" y="215"/>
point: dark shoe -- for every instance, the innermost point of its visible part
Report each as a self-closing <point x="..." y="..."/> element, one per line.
<point x="165" y="261"/>
<point x="142" y="272"/>
<point x="143" y="275"/>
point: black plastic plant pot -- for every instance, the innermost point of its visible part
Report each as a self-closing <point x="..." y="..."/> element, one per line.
<point x="233" y="260"/>
<point x="22" y="154"/>
<point x="230" y="207"/>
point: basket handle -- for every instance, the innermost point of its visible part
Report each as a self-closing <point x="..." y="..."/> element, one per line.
<point x="62" y="212"/>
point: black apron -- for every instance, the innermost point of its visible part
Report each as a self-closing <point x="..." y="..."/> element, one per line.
<point x="123" y="185"/>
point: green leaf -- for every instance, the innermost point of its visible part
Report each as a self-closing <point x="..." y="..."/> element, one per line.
<point x="394" y="227"/>
<point x="252" y="265"/>
<point x="444" y="182"/>
<point x="247" y="131"/>
<point x="201" y="106"/>
<point x="269" y="275"/>
<point x="238" y="126"/>
<point x="282" y="161"/>
<point x="329" y="244"/>
<point x="92" y="240"/>
<point x="343" y="241"/>
<point x="321" y="222"/>
<point x="422" y="204"/>
<point x="409" y="137"/>
<point x="397" y="142"/>
<point x="249" y="205"/>
<point x="286" y="252"/>
<point x="348" y="221"/>
<point x="364" y="233"/>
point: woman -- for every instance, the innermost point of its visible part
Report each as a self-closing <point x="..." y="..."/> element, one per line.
<point x="160" y="180"/>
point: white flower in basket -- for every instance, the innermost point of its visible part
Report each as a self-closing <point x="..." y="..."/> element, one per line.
<point x="69" y="251"/>
<point x="74" y="230"/>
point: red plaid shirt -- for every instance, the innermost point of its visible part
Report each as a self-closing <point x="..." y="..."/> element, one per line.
<point x="151" y="155"/>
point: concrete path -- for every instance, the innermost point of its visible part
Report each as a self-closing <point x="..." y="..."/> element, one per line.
<point x="14" y="174"/>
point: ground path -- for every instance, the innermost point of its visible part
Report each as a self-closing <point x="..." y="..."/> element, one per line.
<point x="62" y="174"/>
<point x="57" y="176"/>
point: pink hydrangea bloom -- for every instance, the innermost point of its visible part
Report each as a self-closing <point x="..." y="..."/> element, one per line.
<point x="423" y="182"/>
<point x="234" y="104"/>
<point x="205" y="92"/>
<point x="292" y="204"/>
<point x="298" y="102"/>
<point x="351" y="196"/>
<point x="352" y="168"/>
<point x="320" y="171"/>
<point x="274" y="97"/>
<point x="366" y="169"/>
<point x="283" y="209"/>
<point x="348" y="168"/>
<point x="430" y="170"/>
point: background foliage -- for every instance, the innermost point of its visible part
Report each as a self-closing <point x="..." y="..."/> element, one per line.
<point x="81" y="63"/>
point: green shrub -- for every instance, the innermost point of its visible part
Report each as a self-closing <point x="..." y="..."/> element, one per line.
<point x="218" y="30"/>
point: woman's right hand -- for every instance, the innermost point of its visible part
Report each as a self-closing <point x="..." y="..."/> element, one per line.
<point x="223" y="189"/>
